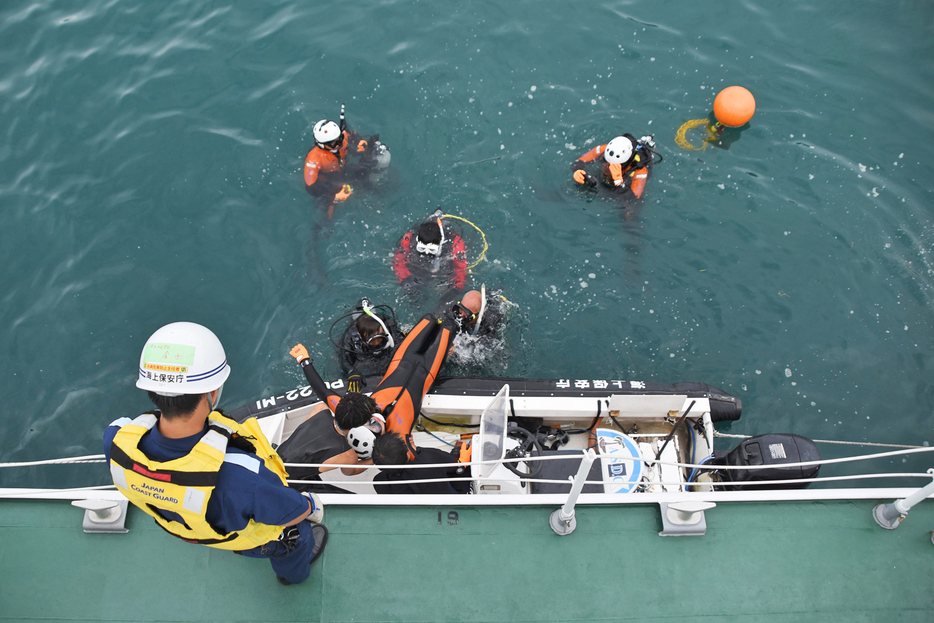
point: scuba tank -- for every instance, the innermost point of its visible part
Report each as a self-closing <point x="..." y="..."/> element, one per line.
<point x="376" y="160"/>
<point x="381" y="156"/>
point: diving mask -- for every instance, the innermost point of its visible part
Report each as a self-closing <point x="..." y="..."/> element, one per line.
<point x="335" y="145"/>
<point x="430" y="248"/>
<point x="377" y="341"/>
<point x="468" y="316"/>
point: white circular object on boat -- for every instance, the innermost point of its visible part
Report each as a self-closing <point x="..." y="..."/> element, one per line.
<point x="620" y="461"/>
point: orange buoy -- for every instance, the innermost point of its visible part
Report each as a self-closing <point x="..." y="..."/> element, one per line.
<point x="734" y="106"/>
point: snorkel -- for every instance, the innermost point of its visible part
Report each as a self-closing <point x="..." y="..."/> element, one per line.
<point x="368" y="310"/>
<point x="343" y="124"/>
<point x="431" y="248"/>
<point x="476" y="326"/>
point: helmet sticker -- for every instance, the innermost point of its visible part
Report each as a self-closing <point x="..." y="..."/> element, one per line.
<point x="168" y="357"/>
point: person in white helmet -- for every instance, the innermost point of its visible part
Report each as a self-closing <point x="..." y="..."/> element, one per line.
<point x="626" y="162"/>
<point x="326" y="169"/>
<point x="203" y="477"/>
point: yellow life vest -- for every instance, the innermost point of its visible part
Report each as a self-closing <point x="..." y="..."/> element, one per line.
<point x="184" y="485"/>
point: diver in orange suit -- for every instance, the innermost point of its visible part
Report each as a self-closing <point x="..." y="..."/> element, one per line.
<point x="397" y="399"/>
<point x="326" y="168"/>
<point x="626" y="164"/>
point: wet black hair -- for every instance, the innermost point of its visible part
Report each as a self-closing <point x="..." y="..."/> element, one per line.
<point x="174" y="407"/>
<point x="429" y="232"/>
<point x="389" y="449"/>
<point x="354" y="410"/>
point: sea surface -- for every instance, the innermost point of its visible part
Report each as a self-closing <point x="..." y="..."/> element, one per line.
<point x="150" y="172"/>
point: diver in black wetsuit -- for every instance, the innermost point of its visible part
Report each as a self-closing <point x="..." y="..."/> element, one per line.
<point x="480" y="313"/>
<point x="367" y="345"/>
<point x="322" y="438"/>
<point x="390" y="450"/>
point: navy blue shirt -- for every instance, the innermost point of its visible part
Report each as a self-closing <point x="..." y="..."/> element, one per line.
<point x="245" y="490"/>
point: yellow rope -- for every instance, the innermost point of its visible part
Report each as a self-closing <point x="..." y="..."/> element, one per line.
<point x="682" y="140"/>
<point x="482" y="235"/>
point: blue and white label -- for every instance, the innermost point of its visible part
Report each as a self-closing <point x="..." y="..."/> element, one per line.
<point x="620" y="460"/>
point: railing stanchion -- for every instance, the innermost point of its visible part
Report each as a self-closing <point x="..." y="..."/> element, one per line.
<point x="562" y="521"/>
<point x="889" y="516"/>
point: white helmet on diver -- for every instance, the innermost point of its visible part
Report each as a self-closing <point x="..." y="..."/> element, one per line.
<point x="328" y="135"/>
<point x="619" y="150"/>
<point x="183" y="358"/>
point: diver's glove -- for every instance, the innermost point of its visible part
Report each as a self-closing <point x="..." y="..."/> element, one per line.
<point x="344" y="193"/>
<point x="583" y="177"/>
<point x="300" y="353"/>
<point x="355" y="381"/>
<point x="361" y="146"/>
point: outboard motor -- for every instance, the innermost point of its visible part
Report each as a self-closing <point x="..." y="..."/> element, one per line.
<point x="774" y="450"/>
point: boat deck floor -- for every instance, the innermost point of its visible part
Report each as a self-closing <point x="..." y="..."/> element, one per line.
<point x="812" y="561"/>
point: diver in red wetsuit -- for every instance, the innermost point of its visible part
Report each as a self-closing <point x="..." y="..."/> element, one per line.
<point x="431" y="252"/>
<point x="397" y="399"/>
<point x="626" y="164"/>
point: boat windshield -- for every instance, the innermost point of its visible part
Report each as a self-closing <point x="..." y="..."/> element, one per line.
<point x="493" y="431"/>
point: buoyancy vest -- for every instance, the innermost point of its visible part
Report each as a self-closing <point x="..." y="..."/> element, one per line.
<point x="185" y="485"/>
<point x="615" y="174"/>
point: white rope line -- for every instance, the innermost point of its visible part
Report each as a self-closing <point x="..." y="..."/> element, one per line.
<point x="648" y="461"/>
<point x="99" y="458"/>
<point x="641" y="483"/>
<point x="91" y="458"/>
<point x="17" y="494"/>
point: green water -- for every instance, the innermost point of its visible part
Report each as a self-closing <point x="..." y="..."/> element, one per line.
<point x="150" y="172"/>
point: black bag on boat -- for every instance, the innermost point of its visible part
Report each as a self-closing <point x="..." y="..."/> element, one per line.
<point x="778" y="451"/>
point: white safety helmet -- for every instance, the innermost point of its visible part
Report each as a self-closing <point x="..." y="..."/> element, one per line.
<point x="327" y="131"/>
<point x="619" y="150"/>
<point x="182" y="358"/>
<point x="361" y="439"/>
